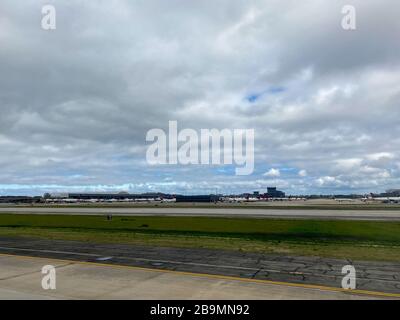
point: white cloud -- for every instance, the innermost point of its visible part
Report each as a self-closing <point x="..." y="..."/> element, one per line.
<point x="327" y="180"/>
<point x="303" y="173"/>
<point x="272" y="173"/>
<point x="346" y="165"/>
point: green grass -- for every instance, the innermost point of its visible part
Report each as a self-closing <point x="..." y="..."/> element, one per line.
<point x="356" y="240"/>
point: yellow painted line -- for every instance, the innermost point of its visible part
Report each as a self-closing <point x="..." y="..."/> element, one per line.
<point x="220" y="277"/>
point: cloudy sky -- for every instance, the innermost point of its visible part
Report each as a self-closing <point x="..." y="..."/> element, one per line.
<point x="76" y="102"/>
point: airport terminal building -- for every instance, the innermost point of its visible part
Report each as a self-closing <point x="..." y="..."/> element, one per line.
<point x="197" y="198"/>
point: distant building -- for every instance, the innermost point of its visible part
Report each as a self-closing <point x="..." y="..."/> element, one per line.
<point x="116" y="196"/>
<point x="392" y="193"/>
<point x="197" y="198"/>
<point x="19" y="199"/>
<point x="107" y="197"/>
<point x="272" y="192"/>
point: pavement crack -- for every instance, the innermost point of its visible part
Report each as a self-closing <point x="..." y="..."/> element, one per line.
<point x="255" y="273"/>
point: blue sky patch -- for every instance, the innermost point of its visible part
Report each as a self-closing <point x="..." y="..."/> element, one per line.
<point x="253" y="97"/>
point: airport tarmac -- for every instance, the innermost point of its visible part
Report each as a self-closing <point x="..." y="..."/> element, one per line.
<point x="383" y="277"/>
<point x="378" y="215"/>
<point x="21" y="278"/>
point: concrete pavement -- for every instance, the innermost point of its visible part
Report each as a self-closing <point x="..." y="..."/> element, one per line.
<point x="379" y="215"/>
<point x="20" y="278"/>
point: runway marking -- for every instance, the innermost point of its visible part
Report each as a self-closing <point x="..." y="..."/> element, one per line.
<point x="104" y="258"/>
<point x="219" y="277"/>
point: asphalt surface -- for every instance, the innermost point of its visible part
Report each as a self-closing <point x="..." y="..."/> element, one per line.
<point x="372" y="276"/>
<point x="378" y="215"/>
